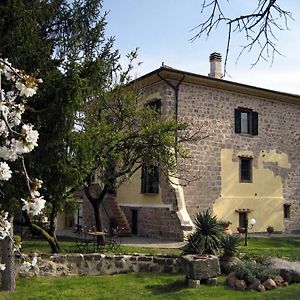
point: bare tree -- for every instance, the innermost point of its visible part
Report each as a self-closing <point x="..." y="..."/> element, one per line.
<point x="260" y="27"/>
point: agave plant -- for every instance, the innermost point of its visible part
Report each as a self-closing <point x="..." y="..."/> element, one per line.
<point x="206" y="237"/>
<point x="229" y="245"/>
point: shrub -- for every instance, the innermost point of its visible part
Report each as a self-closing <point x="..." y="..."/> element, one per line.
<point x="249" y="271"/>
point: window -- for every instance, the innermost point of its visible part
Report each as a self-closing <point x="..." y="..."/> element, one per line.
<point x="246" y="121"/>
<point x="245" y="169"/>
<point x="154" y="104"/>
<point x="149" y="179"/>
<point x="286" y="211"/>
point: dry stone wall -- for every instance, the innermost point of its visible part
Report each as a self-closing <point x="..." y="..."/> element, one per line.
<point x="100" y="264"/>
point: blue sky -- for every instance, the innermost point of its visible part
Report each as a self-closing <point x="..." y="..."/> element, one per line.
<point x="161" y="29"/>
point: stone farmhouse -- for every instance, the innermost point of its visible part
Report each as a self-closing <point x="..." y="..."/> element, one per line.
<point x="249" y="166"/>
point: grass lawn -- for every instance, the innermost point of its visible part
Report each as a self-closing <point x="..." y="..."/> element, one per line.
<point x="284" y="247"/>
<point x="134" y="286"/>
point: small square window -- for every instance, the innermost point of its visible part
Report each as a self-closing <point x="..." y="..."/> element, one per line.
<point x="246" y="121"/>
<point x="245" y="169"/>
<point x="286" y="211"/>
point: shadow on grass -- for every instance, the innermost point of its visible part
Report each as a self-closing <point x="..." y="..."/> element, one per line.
<point x="172" y="287"/>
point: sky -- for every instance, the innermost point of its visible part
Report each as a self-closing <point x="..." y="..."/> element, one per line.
<point x="162" y="30"/>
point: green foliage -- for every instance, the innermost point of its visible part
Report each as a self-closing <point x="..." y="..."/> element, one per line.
<point x="230" y="245"/>
<point x="62" y="42"/>
<point x="249" y="271"/>
<point x="206" y="237"/>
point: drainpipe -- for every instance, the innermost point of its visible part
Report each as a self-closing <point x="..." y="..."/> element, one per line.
<point x="176" y="90"/>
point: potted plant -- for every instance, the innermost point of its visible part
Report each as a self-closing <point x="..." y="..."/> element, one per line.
<point x="241" y="230"/>
<point x="270" y="230"/>
<point x="199" y="261"/>
<point x="206" y="237"/>
<point x="225" y="225"/>
<point x="229" y="245"/>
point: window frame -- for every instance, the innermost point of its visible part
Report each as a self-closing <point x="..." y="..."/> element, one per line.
<point x="286" y="211"/>
<point x="149" y="179"/>
<point x="242" y="178"/>
<point x="252" y="121"/>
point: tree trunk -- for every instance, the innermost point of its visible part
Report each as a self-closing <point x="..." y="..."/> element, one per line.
<point x="98" y="223"/>
<point x="52" y="240"/>
<point x="8" y="258"/>
<point x="95" y="202"/>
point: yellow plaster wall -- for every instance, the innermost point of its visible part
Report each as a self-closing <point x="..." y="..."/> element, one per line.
<point x="130" y="194"/>
<point x="264" y="196"/>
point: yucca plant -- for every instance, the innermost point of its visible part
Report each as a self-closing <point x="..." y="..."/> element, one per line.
<point x="206" y="237"/>
<point x="229" y="245"/>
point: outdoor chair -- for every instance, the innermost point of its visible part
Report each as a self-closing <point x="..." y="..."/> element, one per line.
<point x="84" y="242"/>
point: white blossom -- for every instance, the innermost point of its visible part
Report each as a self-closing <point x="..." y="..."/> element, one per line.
<point x="5" y="225"/>
<point x="34" y="205"/>
<point x="31" y="135"/>
<point x="5" y="171"/>
<point x="14" y="143"/>
<point x="25" y="90"/>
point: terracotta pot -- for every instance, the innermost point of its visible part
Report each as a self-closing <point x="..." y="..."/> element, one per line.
<point x="241" y="229"/>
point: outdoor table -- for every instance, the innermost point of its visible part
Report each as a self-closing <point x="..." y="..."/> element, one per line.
<point x="98" y="242"/>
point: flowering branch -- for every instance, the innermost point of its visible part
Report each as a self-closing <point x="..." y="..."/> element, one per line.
<point x="16" y="140"/>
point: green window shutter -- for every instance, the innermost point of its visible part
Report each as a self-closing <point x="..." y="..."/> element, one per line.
<point x="254" y="123"/>
<point x="237" y="120"/>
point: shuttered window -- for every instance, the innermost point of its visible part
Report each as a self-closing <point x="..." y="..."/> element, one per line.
<point x="246" y="121"/>
<point x="149" y="179"/>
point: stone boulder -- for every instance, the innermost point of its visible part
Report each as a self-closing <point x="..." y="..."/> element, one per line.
<point x="240" y="285"/>
<point x="289" y="271"/>
<point x="269" y="284"/>
<point x="231" y="279"/>
<point x="255" y="285"/>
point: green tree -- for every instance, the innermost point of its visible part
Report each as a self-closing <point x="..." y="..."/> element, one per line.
<point x="119" y="134"/>
<point x="64" y="42"/>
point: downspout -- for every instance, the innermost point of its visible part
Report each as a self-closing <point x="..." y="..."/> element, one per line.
<point x="176" y="90"/>
<point x="184" y="217"/>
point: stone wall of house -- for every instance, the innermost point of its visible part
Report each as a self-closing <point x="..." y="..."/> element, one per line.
<point x="100" y="264"/>
<point x="278" y="128"/>
<point x="155" y="222"/>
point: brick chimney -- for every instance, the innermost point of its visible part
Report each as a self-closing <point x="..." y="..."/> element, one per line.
<point x="215" y="65"/>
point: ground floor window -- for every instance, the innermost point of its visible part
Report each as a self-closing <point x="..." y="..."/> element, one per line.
<point x="286" y="211"/>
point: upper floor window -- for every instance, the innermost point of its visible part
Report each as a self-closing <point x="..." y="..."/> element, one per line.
<point x="155" y="105"/>
<point x="246" y="121"/>
<point x="149" y="179"/>
<point x="245" y="169"/>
